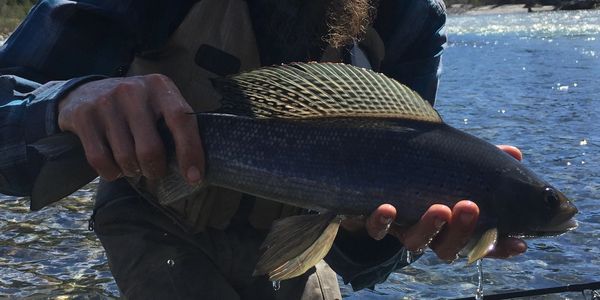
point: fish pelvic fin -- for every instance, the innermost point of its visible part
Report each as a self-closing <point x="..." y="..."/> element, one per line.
<point x="295" y="244"/>
<point x="485" y="244"/>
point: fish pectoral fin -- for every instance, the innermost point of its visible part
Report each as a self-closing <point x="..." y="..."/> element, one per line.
<point x="485" y="244"/>
<point x="295" y="244"/>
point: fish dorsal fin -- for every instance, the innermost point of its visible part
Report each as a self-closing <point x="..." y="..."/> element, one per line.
<point x="316" y="90"/>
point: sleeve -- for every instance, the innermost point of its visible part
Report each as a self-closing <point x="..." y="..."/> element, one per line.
<point x="27" y="113"/>
<point x="60" y="45"/>
<point x="414" y="38"/>
<point x="369" y="264"/>
<point x="413" y="57"/>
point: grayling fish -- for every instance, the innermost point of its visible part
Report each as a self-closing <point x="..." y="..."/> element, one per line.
<point x="343" y="140"/>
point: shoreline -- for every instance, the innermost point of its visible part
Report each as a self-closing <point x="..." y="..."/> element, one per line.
<point x="461" y="9"/>
<point x="472" y="10"/>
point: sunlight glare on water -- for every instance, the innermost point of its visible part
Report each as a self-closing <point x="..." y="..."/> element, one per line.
<point x="529" y="80"/>
<point x="553" y="23"/>
<point x="50" y="253"/>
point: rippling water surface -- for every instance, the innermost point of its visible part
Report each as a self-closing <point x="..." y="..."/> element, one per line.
<point x="51" y="252"/>
<point x="530" y="80"/>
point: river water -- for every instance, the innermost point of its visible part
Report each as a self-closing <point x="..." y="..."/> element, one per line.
<point x="530" y="80"/>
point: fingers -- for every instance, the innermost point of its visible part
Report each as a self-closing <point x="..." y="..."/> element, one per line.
<point x="149" y="147"/>
<point x="458" y="231"/>
<point x="446" y="231"/>
<point x="508" y="247"/>
<point x="512" y="151"/>
<point x="379" y="222"/>
<point x="182" y="124"/>
<point x="117" y="137"/>
<point x="123" y="148"/>
<point x="460" y="223"/>
<point x="190" y="154"/>
<point x="99" y="154"/>
<point x="419" y="236"/>
<point x="116" y="121"/>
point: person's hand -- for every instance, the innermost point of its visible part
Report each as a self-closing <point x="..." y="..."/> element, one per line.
<point x="116" y="121"/>
<point x="446" y="231"/>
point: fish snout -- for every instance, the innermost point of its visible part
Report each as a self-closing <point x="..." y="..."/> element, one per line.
<point x="566" y="212"/>
<point x="562" y="221"/>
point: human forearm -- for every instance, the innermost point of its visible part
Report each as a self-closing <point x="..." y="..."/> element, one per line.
<point x="66" y="40"/>
<point x="413" y="57"/>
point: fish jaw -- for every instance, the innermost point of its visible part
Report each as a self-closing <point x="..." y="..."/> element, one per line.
<point x="561" y="222"/>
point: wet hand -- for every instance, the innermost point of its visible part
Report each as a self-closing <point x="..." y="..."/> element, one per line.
<point x="116" y="118"/>
<point x="446" y="231"/>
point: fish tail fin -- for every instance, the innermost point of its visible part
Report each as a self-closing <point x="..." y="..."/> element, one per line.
<point x="485" y="244"/>
<point x="295" y="244"/>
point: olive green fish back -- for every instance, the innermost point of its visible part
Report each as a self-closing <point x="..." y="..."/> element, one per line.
<point x="316" y="90"/>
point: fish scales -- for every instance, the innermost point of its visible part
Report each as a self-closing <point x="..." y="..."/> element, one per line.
<point x="351" y="166"/>
<point x="340" y="140"/>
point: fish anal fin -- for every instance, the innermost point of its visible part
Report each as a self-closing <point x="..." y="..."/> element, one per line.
<point x="296" y="244"/>
<point x="485" y="244"/>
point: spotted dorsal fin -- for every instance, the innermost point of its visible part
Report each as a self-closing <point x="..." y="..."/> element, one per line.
<point x="317" y="90"/>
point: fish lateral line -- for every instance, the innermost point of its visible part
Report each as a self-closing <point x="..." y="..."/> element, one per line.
<point x="354" y="117"/>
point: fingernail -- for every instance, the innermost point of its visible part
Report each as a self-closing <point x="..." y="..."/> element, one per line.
<point x="466" y="218"/>
<point x="193" y="175"/>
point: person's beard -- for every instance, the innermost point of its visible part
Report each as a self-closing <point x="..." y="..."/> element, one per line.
<point x="348" y="21"/>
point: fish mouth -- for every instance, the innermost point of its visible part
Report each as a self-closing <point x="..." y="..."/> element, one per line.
<point x="560" y="223"/>
<point x="555" y="230"/>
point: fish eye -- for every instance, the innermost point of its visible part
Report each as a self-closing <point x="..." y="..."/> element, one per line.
<point x="550" y="196"/>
